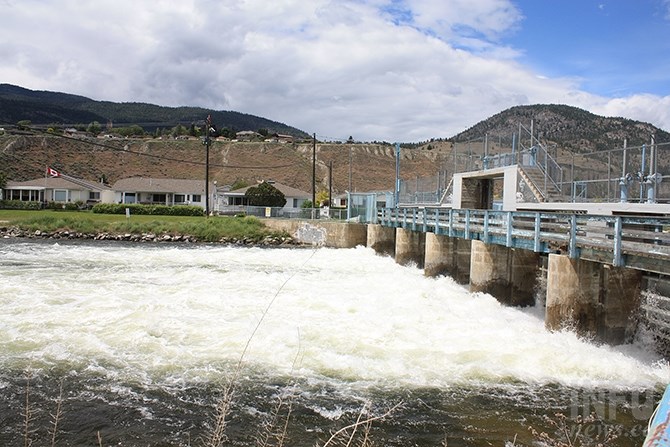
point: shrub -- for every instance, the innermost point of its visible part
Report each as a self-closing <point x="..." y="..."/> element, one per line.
<point x="20" y="205"/>
<point x="153" y="210"/>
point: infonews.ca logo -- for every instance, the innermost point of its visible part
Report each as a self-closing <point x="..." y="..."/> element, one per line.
<point x="611" y="406"/>
<point x="602" y="416"/>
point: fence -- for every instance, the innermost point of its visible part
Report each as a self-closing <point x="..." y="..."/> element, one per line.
<point x="427" y="190"/>
<point x="636" y="174"/>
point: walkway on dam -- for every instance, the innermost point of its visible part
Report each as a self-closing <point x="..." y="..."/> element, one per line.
<point x="641" y="243"/>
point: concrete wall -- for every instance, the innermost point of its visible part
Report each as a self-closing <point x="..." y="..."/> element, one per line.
<point x="326" y="233"/>
<point x="510" y="185"/>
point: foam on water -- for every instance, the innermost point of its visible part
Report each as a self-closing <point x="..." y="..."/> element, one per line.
<point x="185" y="314"/>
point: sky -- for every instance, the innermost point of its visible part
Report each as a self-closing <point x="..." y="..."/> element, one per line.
<point x="376" y="70"/>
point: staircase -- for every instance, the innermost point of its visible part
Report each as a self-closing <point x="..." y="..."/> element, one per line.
<point x="535" y="178"/>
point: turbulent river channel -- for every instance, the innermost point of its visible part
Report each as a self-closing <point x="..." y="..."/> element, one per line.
<point x="134" y="345"/>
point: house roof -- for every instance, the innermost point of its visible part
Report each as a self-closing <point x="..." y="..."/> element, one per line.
<point x="247" y="132"/>
<point x="288" y="191"/>
<point x="167" y="185"/>
<point x="57" y="183"/>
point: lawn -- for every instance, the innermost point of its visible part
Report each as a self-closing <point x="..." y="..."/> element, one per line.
<point x="204" y="229"/>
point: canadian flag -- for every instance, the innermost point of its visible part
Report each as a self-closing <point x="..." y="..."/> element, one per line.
<point x="52" y="172"/>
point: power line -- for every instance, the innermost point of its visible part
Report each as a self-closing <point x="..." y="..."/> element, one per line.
<point x="161" y="157"/>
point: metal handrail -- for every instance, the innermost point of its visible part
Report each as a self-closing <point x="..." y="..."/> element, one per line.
<point x="633" y="242"/>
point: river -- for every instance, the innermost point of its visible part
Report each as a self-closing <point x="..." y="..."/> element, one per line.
<point x="136" y="343"/>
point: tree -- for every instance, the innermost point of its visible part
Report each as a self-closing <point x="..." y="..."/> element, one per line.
<point x="265" y="195"/>
<point x="3" y="183"/>
<point x="178" y="130"/>
<point x="94" y="128"/>
<point x="24" y="124"/>
<point x="194" y="130"/>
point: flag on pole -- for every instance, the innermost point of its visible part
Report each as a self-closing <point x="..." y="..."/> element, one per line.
<point x="52" y="172"/>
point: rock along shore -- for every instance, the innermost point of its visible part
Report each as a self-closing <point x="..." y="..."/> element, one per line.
<point x="16" y="232"/>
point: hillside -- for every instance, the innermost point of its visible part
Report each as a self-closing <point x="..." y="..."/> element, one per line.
<point x="572" y="135"/>
<point x="46" y="108"/>
<point x="569" y="127"/>
<point x="372" y="167"/>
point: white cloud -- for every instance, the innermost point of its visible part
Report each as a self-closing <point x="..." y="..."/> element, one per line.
<point x="394" y="70"/>
<point x="648" y="108"/>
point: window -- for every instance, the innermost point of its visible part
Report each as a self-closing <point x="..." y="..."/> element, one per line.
<point x="295" y="203"/>
<point x="180" y="198"/>
<point x="93" y="195"/>
<point x="158" y="198"/>
<point x="196" y="198"/>
<point x="60" y="195"/>
<point x="129" y="197"/>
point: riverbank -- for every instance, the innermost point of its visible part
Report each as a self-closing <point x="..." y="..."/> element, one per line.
<point x="89" y="226"/>
<point x="16" y="232"/>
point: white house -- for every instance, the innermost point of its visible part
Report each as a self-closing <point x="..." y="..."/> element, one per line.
<point x="162" y="191"/>
<point x="62" y="189"/>
<point x="294" y="197"/>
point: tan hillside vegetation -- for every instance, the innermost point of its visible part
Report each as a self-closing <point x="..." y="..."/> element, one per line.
<point x="371" y="167"/>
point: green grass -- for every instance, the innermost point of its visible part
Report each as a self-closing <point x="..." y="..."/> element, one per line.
<point x="204" y="229"/>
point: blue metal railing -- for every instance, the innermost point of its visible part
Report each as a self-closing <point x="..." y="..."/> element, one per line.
<point x="634" y="242"/>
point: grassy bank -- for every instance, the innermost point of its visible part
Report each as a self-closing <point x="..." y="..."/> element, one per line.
<point x="204" y="229"/>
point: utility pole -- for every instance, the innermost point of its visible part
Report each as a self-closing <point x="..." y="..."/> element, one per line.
<point x="397" y="175"/>
<point x="207" y="142"/>
<point x="350" y="159"/>
<point x="330" y="184"/>
<point x="314" y="171"/>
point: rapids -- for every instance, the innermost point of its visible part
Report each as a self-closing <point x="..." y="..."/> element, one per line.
<point x="145" y="337"/>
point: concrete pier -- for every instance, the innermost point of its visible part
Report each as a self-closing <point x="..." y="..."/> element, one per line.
<point x="592" y="298"/>
<point x="381" y="239"/>
<point x="623" y="289"/>
<point x="572" y="294"/>
<point x="507" y="274"/>
<point x="447" y="256"/>
<point x="410" y="247"/>
<point x="439" y="255"/>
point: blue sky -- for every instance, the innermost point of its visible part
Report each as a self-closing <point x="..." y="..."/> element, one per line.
<point x="385" y="70"/>
<point x="613" y="48"/>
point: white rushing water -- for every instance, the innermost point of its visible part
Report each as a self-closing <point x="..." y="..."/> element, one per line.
<point x="183" y="314"/>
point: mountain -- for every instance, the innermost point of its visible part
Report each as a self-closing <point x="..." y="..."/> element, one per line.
<point x="567" y="132"/>
<point x="45" y="108"/>
<point x="569" y="127"/>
